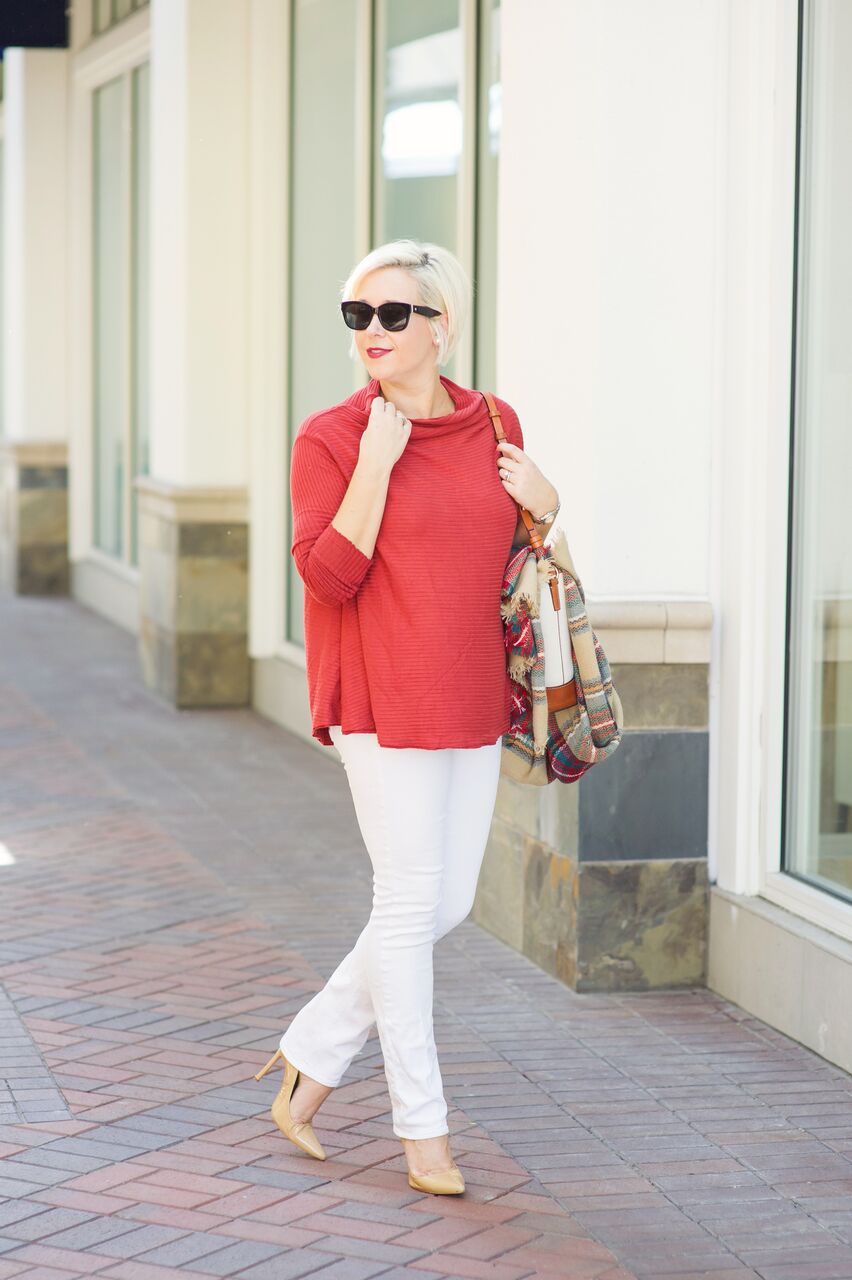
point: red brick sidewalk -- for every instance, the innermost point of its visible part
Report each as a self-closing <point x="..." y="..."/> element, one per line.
<point x="175" y="885"/>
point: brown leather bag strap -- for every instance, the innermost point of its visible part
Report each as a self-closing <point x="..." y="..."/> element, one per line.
<point x="536" y="540"/>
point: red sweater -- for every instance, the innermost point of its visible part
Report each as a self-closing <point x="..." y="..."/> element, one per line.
<point x="407" y="643"/>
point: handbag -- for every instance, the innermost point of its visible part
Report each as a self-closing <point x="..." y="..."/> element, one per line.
<point x="566" y="714"/>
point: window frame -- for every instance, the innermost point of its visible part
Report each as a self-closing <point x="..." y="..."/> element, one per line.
<point x="798" y="427"/>
<point x="115" y="54"/>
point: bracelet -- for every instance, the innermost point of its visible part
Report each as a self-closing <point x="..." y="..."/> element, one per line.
<point x="548" y="515"/>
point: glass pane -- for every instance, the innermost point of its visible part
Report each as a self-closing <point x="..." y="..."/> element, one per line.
<point x="102" y="14"/>
<point x="2" y="294"/>
<point x="419" y="121"/>
<point x="122" y="8"/>
<point x="110" y="317"/>
<point x="819" y="814"/>
<point x="139" y="285"/>
<point x="323" y="181"/>
<point x="490" y="120"/>
<point x="419" y="117"/>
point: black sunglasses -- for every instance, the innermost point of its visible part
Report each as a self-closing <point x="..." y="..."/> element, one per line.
<point x="393" y="316"/>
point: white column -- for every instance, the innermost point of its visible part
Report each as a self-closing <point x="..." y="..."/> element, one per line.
<point x="35" y="268"/>
<point x="200" y="225"/>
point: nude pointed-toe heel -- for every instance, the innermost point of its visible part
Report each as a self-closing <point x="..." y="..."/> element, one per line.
<point x="298" y="1131"/>
<point x="440" y="1182"/>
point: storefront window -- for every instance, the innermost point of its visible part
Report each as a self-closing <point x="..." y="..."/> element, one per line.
<point x="140" y="276"/>
<point x="818" y="816"/>
<point x="105" y="13"/>
<point x="323" y="220"/>
<point x="110" y="353"/>
<point x="488" y="156"/>
<point x="2" y="291"/>
<point x="120" y="306"/>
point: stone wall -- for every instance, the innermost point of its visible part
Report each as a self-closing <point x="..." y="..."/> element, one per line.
<point x="603" y="882"/>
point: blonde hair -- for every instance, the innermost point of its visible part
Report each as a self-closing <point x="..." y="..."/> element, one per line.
<point x="442" y="283"/>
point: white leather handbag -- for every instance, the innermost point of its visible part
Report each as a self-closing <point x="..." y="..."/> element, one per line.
<point x="558" y="663"/>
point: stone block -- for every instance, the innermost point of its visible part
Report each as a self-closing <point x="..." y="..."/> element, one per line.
<point x="641" y="925"/>
<point x="212" y="595"/>
<point x="551" y="890"/>
<point x="212" y="670"/>
<point x="648" y="800"/>
<point x="42" y="517"/>
<point x="499" y="901"/>
<point x="663" y="696"/>
<point x="42" y="570"/>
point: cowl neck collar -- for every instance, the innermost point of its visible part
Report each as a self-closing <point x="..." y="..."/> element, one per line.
<point x="469" y="408"/>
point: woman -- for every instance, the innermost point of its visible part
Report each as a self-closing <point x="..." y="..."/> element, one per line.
<point x="404" y="515"/>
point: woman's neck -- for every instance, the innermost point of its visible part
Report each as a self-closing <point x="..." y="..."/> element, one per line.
<point x="432" y="400"/>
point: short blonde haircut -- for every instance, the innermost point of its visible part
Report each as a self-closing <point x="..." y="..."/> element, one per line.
<point x="442" y="283"/>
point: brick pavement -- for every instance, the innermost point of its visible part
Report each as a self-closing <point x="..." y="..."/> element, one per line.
<point x="176" y="884"/>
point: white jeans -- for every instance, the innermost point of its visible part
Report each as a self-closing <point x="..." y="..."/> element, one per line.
<point x="425" y="818"/>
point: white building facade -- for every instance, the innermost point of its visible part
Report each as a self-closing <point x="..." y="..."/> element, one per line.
<point x="651" y="198"/>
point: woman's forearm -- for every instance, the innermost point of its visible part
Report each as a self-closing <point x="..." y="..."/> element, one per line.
<point x="359" y="515"/>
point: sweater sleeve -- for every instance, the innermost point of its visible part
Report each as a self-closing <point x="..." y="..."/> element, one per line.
<point x="512" y="425"/>
<point x="330" y="565"/>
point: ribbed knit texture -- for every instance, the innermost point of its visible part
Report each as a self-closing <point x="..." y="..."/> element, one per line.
<point x="407" y="643"/>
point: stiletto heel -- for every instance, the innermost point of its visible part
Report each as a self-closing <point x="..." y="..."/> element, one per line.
<point x="270" y="1064"/>
<point x="298" y="1131"/>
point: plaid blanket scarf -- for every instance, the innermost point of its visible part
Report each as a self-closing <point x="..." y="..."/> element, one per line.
<point x="543" y="746"/>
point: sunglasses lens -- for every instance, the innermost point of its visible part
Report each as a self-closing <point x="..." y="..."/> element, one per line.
<point x="394" y="315"/>
<point x="356" y="314"/>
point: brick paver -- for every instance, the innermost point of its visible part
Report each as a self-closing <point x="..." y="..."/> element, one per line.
<point x="176" y="884"/>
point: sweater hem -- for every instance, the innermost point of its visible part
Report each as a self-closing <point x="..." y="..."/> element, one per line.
<point x="471" y="743"/>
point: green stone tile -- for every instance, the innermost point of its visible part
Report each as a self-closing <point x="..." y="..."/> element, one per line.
<point x="550" y="910"/>
<point x="42" y="517"/>
<point x="499" y="901"/>
<point x="642" y="925"/>
<point x="42" y="570"/>
<point x="663" y="696"/>
<point x="212" y="595"/>
<point x="43" y="477"/>
<point x="213" y="670"/>
<point x="224" y="540"/>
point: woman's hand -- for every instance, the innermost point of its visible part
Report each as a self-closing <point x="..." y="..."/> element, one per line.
<point x="523" y="481"/>
<point x="384" y="438"/>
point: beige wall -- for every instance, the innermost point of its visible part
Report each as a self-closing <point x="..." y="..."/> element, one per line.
<point x="608" y="193"/>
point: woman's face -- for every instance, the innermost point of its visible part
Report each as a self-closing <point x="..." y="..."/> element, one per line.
<point x="407" y="353"/>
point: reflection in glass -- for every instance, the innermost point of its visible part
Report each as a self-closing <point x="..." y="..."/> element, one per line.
<point x="324" y="184"/>
<point x="419" y="119"/>
<point x="490" y="118"/>
<point x="101" y="15"/>
<point x="2" y="267"/>
<point x="418" y="81"/>
<point x="819" y="813"/>
<point x="139" y="427"/>
<point x="110" y="311"/>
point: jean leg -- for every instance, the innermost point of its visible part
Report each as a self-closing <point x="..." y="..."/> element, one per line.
<point x="400" y="796"/>
<point x="331" y="1029"/>
<point x="473" y="793"/>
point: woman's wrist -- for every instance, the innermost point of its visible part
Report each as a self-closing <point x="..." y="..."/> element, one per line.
<point x="549" y="513"/>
